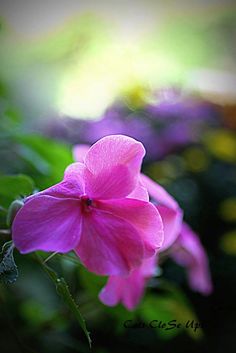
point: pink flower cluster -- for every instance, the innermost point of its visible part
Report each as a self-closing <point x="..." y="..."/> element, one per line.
<point x="101" y="210"/>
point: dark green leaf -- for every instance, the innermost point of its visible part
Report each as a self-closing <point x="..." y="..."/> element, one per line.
<point x="8" y="268"/>
<point x="13" y="187"/>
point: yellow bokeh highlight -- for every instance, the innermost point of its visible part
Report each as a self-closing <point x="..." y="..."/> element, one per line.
<point x="196" y="159"/>
<point x="162" y="171"/>
<point x="228" y="242"/>
<point x="136" y="95"/>
<point x="222" y="144"/>
<point x="228" y="209"/>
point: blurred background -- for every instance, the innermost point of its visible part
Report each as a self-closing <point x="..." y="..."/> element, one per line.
<point x="162" y="72"/>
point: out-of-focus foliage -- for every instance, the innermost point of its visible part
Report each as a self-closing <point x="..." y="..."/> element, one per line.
<point x="169" y="304"/>
<point x="13" y="187"/>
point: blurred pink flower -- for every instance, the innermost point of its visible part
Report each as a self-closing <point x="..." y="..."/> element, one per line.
<point x="185" y="246"/>
<point x="130" y="289"/>
<point x="99" y="210"/>
<point x="189" y="252"/>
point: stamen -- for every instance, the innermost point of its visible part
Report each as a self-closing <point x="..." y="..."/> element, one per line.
<point x="89" y="202"/>
<point x="86" y="203"/>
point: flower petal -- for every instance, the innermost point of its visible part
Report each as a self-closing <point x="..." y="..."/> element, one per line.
<point x="72" y="186"/>
<point x="111" y="293"/>
<point x="149" y="266"/>
<point x="158" y="193"/>
<point x="116" y="182"/>
<point x="133" y="290"/>
<point x="189" y="252"/>
<point x="143" y="216"/>
<point x="79" y="152"/>
<point x="115" y="150"/>
<point x="139" y="193"/>
<point x="47" y="223"/>
<point x="128" y="290"/>
<point x="172" y="222"/>
<point x="109" y="245"/>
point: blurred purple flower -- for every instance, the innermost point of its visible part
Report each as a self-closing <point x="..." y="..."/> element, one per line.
<point x="118" y="120"/>
<point x="172" y="121"/>
<point x="171" y="104"/>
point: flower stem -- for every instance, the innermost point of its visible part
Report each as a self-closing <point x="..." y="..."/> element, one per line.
<point x="50" y="257"/>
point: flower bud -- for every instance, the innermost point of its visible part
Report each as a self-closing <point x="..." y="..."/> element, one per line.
<point x="12" y="211"/>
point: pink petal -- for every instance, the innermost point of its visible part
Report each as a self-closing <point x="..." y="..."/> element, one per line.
<point x="128" y="290"/>
<point x="189" y="252"/>
<point x="172" y="223"/>
<point x="143" y="216"/>
<point x="47" y="223"/>
<point x="140" y="193"/>
<point x="111" y="293"/>
<point x="134" y="290"/>
<point x="75" y="171"/>
<point x="72" y="185"/>
<point x="114" y="150"/>
<point x="200" y="279"/>
<point x="148" y="267"/>
<point x="109" y="245"/>
<point x="79" y="152"/>
<point x="158" y="193"/>
<point x="116" y="182"/>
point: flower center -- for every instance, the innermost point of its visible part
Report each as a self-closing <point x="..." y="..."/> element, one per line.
<point x="86" y="203"/>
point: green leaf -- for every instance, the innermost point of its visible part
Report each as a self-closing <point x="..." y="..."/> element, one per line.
<point x="91" y="282"/>
<point x="63" y="290"/>
<point x="46" y="158"/>
<point x="13" y="187"/>
<point x="8" y="268"/>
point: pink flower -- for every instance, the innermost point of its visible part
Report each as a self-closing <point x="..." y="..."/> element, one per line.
<point x="130" y="289"/>
<point x="189" y="252"/>
<point x="99" y="210"/>
<point x="168" y="208"/>
<point x="170" y="212"/>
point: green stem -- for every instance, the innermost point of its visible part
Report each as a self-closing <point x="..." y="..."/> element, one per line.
<point x="50" y="257"/>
